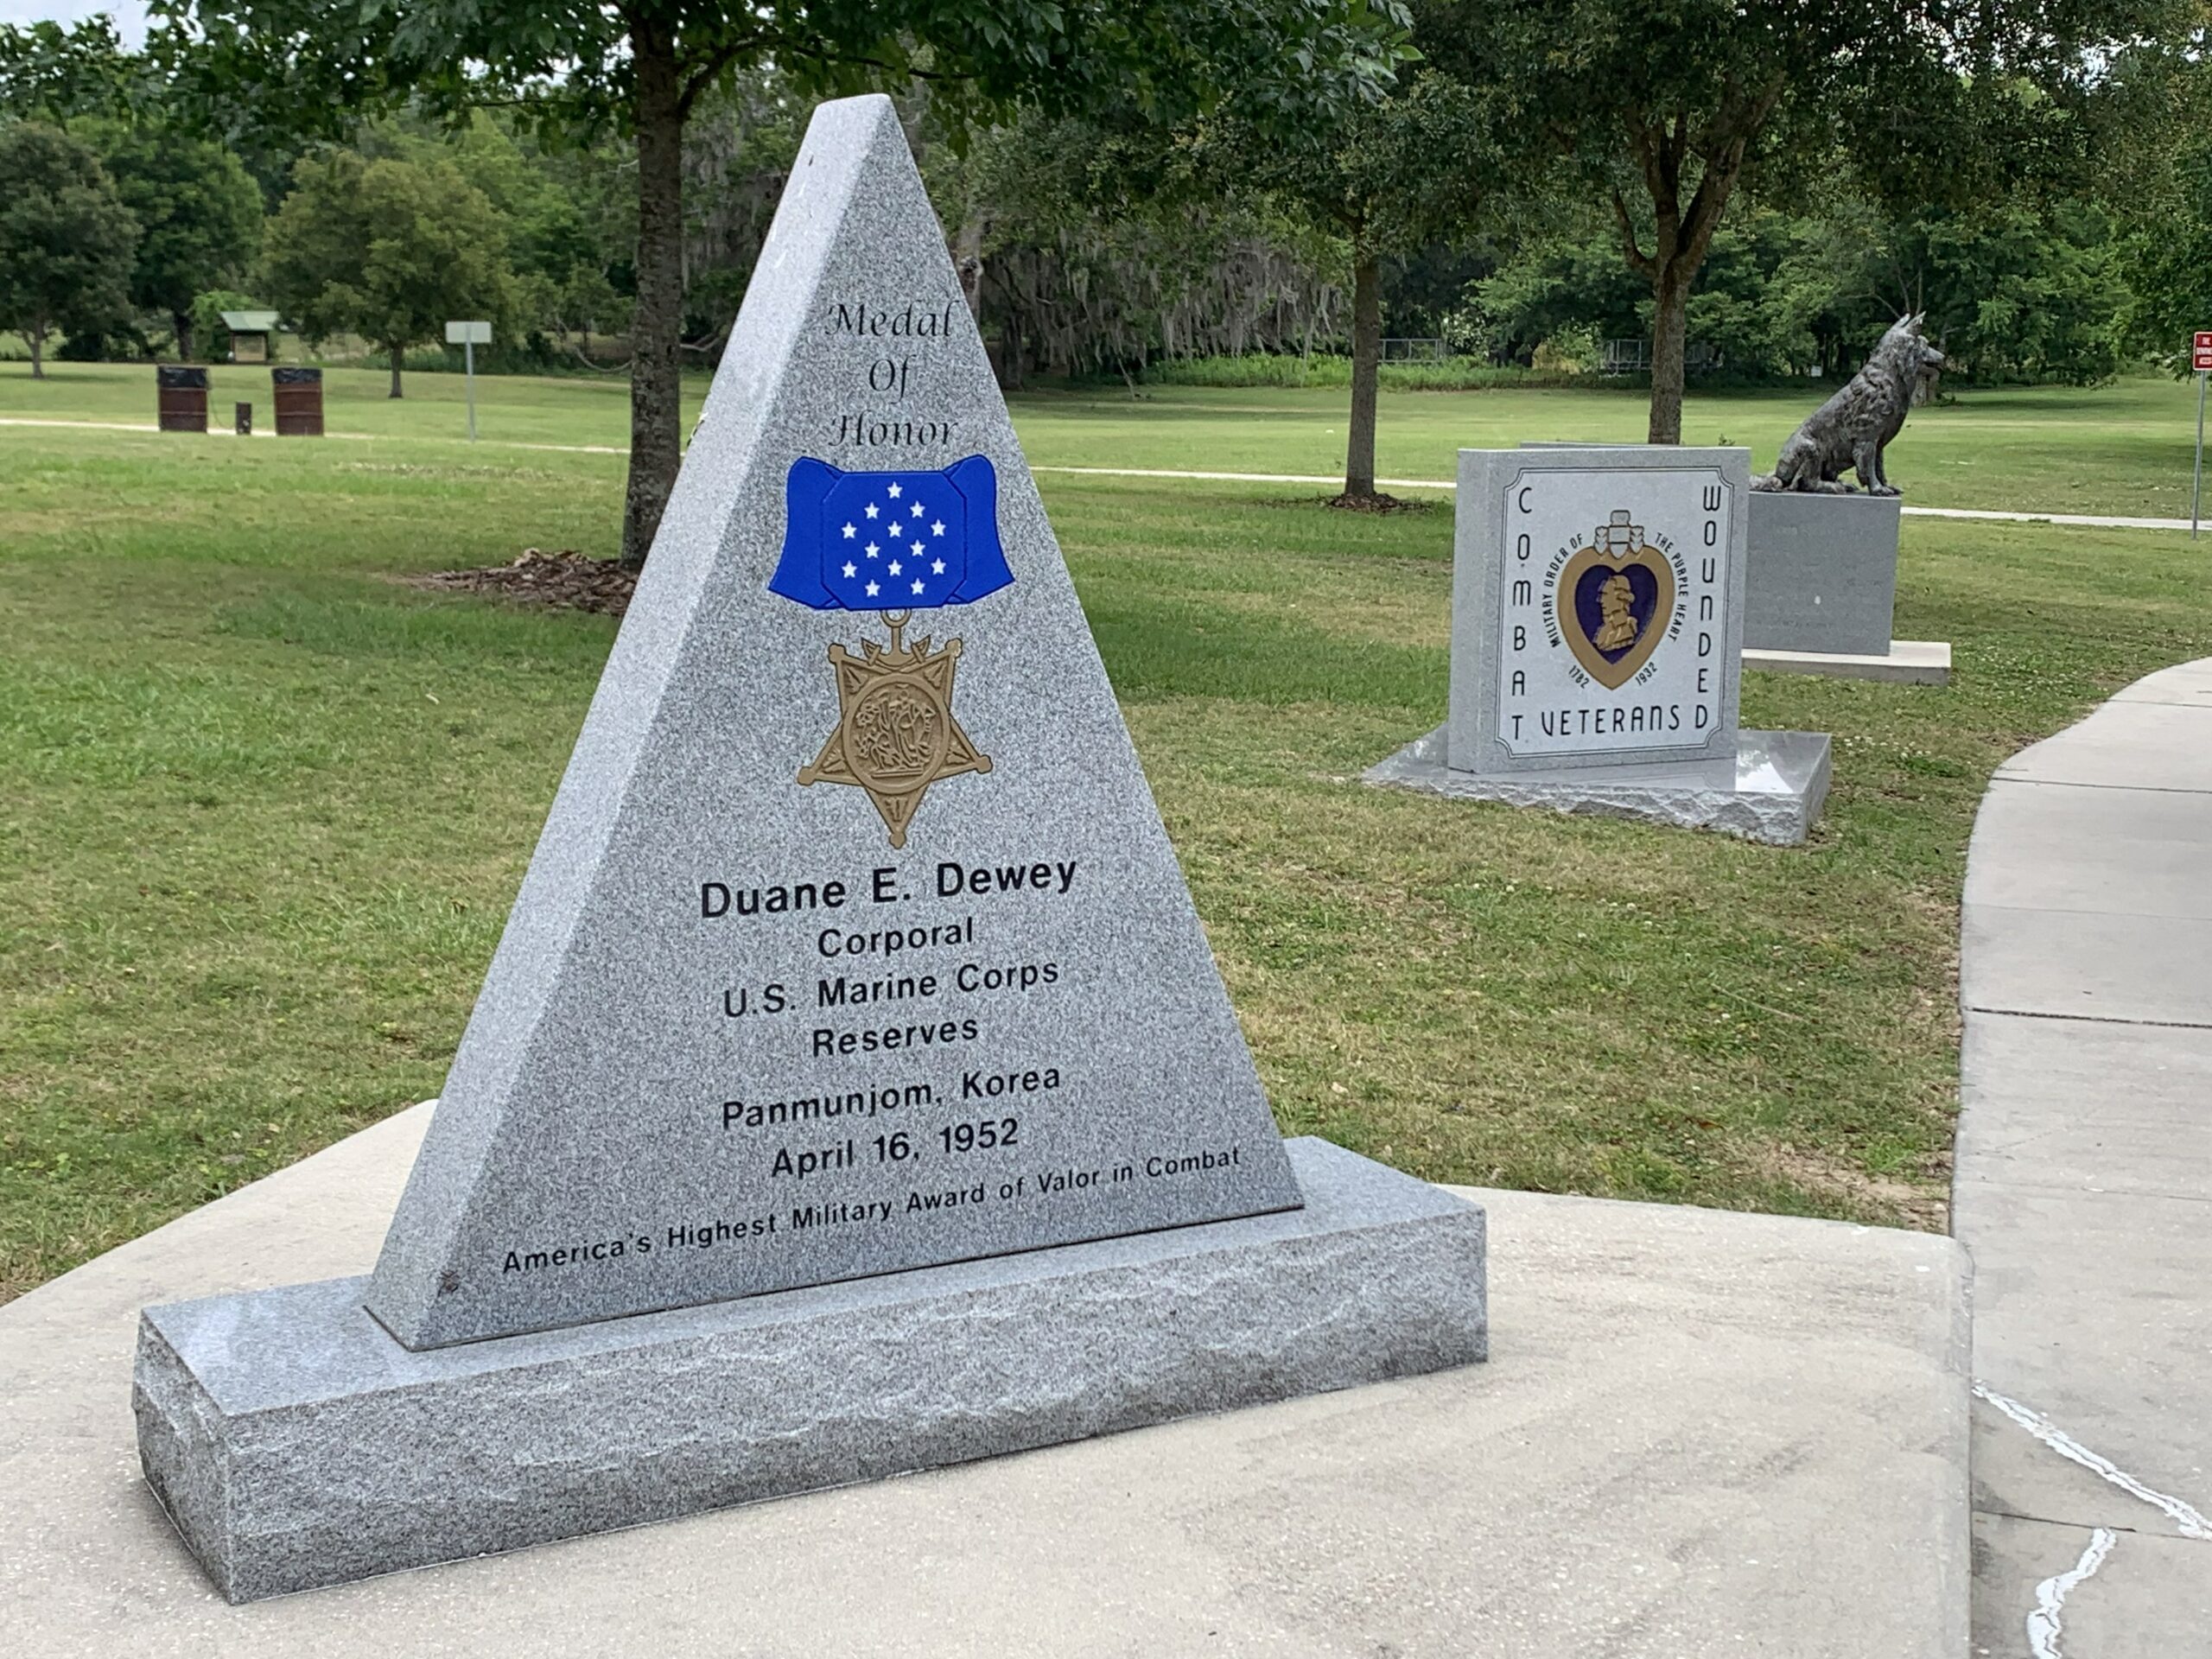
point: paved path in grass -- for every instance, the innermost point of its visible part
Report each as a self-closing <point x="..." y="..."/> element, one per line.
<point x="2084" y="1183"/>
<point x="2089" y="520"/>
<point x="215" y="431"/>
<point x="2086" y="520"/>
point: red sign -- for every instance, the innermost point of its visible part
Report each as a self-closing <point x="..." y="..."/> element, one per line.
<point x="2200" y="350"/>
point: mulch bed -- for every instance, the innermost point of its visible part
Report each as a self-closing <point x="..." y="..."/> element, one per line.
<point x="567" y="580"/>
<point x="1378" y="503"/>
<point x="576" y="581"/>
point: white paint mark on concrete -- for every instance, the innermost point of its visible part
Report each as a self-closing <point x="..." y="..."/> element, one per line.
<point x="2043" y="1622"/>
<point x="2185" y="1517"/>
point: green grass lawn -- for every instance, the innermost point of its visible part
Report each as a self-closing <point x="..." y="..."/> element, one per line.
<point x="2123" y="449"/>
<point x="263" y="809"/>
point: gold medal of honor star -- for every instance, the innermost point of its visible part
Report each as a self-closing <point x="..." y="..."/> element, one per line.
<point x="896" y="732"/>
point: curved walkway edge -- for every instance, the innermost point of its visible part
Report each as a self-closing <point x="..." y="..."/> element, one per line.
<point x="2083" y="1187"/>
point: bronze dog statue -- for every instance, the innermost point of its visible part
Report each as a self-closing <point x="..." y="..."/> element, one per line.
<point x="1854" y="426"/>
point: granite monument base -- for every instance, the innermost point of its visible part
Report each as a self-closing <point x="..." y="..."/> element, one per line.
<point x="1907" y="662"/>
<point x="1823" y="574"/>
<point x="1770" y="792"/>
<point x="295" y="1444"/>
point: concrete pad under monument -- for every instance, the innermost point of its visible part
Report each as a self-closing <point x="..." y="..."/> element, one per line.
<point x="1596" y="623"/>
<point x="853" y="1091"/>
<point x="1713" y="1430"/>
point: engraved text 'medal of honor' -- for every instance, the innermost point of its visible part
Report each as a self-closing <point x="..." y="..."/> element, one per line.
<point x="910" y="321"/>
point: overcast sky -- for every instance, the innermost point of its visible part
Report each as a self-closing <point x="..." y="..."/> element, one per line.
<point x="129" y="20"/>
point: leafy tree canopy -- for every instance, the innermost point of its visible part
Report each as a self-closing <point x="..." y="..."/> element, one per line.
<point x="1387" y="174"/>
<point x="199" y="211"/>
<point x="1660" y="108"/>
<point x="65" y="238"/>
<point x="2157" y="156"/>
<point x="640" y="68"/>
<point x="389" y="250"/>
<point x="2012" y="290"/>
<point x="56" y="72"/>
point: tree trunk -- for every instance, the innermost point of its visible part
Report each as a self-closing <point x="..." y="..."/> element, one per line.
<point x="1366" y="353"/>
<point x="1670" y="296"/>
<point x="182" y="320"/>
<point x="37" y="338"/>
<point x="968" y="260"/>
<point x="397" y="354"/>
<point x="655" y="333"/>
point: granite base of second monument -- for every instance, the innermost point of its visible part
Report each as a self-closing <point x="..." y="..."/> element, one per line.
<point x="296" y="1445"/>
<point x="1770" y="792"/>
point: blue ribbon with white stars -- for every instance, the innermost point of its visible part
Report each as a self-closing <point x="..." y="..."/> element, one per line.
<point x="889" y="541"/>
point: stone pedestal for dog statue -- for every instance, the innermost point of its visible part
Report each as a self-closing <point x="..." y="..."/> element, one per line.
<point x="1823" y="572"/>
<point x="853" y="1091"/>
<point x="1820" y="595"/>
<point x="1597" y="619"/>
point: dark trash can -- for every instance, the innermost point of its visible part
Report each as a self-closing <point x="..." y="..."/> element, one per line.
<point x="299" y="402"/>
<point x="244" y="412"/>
<point x="182" y="398"/>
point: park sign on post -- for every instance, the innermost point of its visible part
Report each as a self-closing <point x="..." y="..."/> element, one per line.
<point x="468" y="336"/>
<point x="2200" y="359"/>
<point x="853" y="1091"/>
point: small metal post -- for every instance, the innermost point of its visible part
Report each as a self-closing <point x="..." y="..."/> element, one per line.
<point x="2196" y="481"/>
<point x="468" y="351"/>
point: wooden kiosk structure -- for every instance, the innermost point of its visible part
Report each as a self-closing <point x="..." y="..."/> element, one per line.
<point x="253" y="335"/>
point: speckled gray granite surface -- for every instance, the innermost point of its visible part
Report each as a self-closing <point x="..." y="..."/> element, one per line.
<point x="1772" y="792"/>
<point x="296" y="1444"/>
<point x="1558" y="702"/>
<point x="1534" y="528"/>
<point x="735" y="1039"/>
<point x="1823" y="572"/>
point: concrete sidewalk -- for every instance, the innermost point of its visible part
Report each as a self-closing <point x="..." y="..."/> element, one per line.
<point x="1701" y="1434"/>
<point x="2084" y="1183"/>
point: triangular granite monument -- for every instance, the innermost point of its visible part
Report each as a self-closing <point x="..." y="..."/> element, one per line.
<point x="854" y="856"/>
<point x="853" y="1091"/>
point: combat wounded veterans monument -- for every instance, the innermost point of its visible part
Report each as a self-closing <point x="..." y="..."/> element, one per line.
<point x="852" y="1092"/>
<point x="1597" y="627"/>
